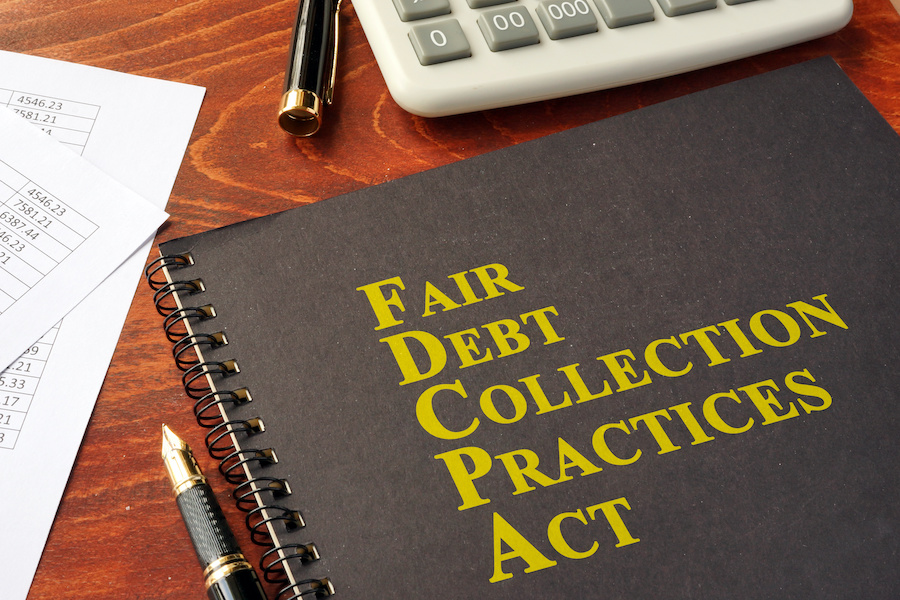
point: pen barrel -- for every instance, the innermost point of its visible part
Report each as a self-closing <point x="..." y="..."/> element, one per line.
<point x="242" y="585"/>
<point x="206" y="524"/>
<point x="228" y="574"/>
<point x="310" y="68"/>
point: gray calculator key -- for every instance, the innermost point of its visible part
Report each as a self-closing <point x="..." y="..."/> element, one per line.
<point x="508" y="27"/>
<point x="566" y="18"/>
<point x="736" y="1"/>
<point x="411" y="10"/>
<point x="674" y="8"/>
<point x="439" y="41"/>
<point x="621" y="13"/>
<point x="483" y="3"/>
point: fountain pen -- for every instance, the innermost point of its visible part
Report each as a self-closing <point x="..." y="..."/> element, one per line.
<point x="228" y="574"/>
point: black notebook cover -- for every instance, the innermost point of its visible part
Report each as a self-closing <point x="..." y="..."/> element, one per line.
<point x="651" y="357"/>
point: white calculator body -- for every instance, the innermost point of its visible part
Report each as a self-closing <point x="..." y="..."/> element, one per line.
<point x="442" y="57"/>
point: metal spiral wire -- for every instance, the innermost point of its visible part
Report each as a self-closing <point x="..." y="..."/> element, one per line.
<point x="254" y="495"/>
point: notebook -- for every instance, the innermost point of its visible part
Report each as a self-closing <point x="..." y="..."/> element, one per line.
<point x="653" y="356"/>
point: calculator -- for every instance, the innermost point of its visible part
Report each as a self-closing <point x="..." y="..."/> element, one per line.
<point x="443" y="57"/>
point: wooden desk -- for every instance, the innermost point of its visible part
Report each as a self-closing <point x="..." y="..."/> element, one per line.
<point x="118" y="534"/>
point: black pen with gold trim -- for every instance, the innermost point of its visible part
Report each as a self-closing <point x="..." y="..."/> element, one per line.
<point x="311" y="69"/>
<point x="228" y="574"/>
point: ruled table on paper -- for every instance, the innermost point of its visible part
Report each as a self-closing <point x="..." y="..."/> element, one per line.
<point x="37" y="232"/>
<point x="67" y="121"/>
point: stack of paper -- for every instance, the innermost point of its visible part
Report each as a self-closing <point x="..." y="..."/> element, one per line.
<point x="82" y="189"/>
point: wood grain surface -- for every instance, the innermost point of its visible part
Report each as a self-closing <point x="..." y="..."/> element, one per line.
<point x="118" y="534"/>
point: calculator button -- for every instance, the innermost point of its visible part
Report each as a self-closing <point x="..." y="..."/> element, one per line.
<point x="674" y="8"/>
<point x="411" y="10"/>
<point x="439" y="41"/>
<point x="620" y="13"/>
<point x="736" y="1"/>
<point x="507" y="28"/>
<point x="566" y="18"/>
<point x="483" y="3"/>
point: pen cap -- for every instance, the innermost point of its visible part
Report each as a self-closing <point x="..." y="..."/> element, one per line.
<point x="309" y="77"/>
<point x="300" y="113"/>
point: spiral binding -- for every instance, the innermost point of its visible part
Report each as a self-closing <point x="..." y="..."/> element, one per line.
<point x="170" y="298"/>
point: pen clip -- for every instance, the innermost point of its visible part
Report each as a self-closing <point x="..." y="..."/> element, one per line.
<point x="329" y="89"/>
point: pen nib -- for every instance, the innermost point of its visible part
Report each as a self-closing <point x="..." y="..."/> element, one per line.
<point x="184" y="472"/>
<point x="171" y="442"/>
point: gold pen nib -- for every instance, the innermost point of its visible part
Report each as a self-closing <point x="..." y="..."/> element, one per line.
<point x="171" y="442"/>
<point x="184" y="472"/>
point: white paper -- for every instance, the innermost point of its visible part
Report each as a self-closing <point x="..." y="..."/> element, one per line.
<point x="50" y="415"/>
<point x="64" y="227"/>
